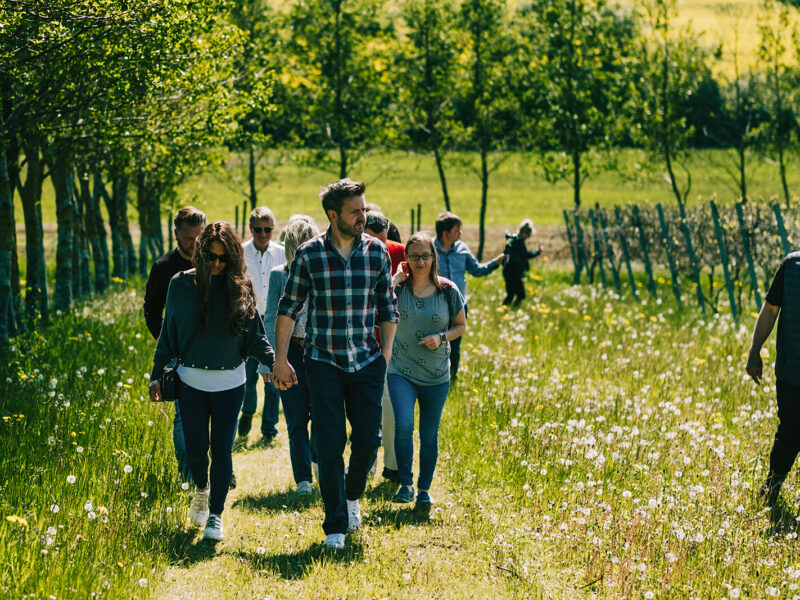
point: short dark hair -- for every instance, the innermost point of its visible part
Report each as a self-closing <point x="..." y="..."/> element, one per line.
<point x="376" y="222"/>
<point x="190" y="216"/>
<point x="445" y="222"/>
<point x="334" y="195"/>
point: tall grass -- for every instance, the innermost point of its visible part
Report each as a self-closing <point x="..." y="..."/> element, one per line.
<point x="593" y="447"/>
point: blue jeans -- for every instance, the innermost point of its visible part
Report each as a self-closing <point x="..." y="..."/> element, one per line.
<point x="180" y="445"/>
<point x="221" y="409"/>
<point x="297" y="411"/>
<point x="356" y="396"/>
<point x="431" y="403"/>
<point x="269" y="416"/>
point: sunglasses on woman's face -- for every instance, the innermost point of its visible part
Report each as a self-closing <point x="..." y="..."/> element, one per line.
<point x="262" y="229"/>
<point x="211" y="257"/>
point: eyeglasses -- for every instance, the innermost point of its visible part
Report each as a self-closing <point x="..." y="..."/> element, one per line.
<point x="211" y="257"/>
<point x="262" y="229"/>
<point x="420" y="257"/>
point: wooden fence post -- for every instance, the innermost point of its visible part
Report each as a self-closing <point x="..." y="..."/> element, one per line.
<point x="648" y="267"/>
<point x="723" y="253"/>
<point x="581" y="248"/>
<point x="236" y="218"/>
<point x="419" y="217"/>
<point x="787" y="247"/>
<point x="687" y="236"/>
<point x="575" y="258"/>
<point x="244" y="219"/>
<point x="609" y="251"/>
<point x="670" y="260"/>
<point x="412" y="221"/>
<point x="624" y="244"/>
<point x="748" y="255"/>
<point x="598" y="251"/>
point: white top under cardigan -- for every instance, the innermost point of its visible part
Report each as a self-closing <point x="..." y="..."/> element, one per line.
<point x="213" y="380"/>
<point x="259" y="264"/>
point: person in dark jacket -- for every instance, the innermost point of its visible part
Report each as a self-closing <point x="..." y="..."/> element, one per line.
<point x="212" y="326"/>
<point x="782" y="298"/>
<point x="188" y="225"/>
<point x="516" y="263"/>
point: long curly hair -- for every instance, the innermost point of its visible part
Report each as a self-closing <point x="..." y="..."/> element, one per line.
<point x="241" y="295"/>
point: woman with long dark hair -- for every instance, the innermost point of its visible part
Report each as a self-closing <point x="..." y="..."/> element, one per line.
<point x="431" y="316"/>
<point x="211" y="325"/>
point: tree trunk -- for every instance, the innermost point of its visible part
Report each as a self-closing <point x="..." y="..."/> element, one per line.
<point x="82" y="233"/>
<point x="782" y="165"/>
<point x="36" y="274"/>
<point x="576" y="178"/>
<point x="7" y="239"/>
<point x="96" y="232"/>
<point x="484" y="202"/>
<point x="61" y="170"/>
<point x="252" y="178"/>
<point x="151" y="244"/>
<point x="122" y="244"/>
<point x="440" y="168"/>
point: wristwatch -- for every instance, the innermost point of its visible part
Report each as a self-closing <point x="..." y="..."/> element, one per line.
<point x="443" y="337"/>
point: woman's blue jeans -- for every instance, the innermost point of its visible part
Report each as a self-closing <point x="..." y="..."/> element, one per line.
<point x="431" y="398"/>
<point x="221" y="409"/>
<point x="297" y="411"/>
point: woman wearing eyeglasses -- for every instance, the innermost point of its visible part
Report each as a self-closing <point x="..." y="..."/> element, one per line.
<point x="212" y="326"/>
<point x="431" y="315"/>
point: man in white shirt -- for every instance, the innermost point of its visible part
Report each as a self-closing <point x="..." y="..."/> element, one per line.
<point x="261" y="255"/>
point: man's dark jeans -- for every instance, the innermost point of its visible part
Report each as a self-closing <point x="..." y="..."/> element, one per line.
<point x="455" y="353"/>
<point x="787" y="437"/>
<point x="297" y="410"/>
<point x="336" y="394"/>
<point x="198" y="408"/>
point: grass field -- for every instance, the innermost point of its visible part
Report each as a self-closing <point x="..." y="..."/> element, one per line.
<point x="593" y="447"/>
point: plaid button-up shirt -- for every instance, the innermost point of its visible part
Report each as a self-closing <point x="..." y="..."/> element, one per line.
<point x="346" y="299"/>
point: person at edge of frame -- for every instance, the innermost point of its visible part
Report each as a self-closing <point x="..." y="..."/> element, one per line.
<point x="517" y="262"/>
<point x="782" y="298"/>
<point x="345" y="277"/>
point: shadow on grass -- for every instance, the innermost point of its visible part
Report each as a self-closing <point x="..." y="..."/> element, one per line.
<point x="287" y="501"/>
<point x="296" y="565"/>
<point x="782" y="519"/>
<point x="184" y="547"/>
<point x="395" y="516"/>
<point x="383" y="491"/>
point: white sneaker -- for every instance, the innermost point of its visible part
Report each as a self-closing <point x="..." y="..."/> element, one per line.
<point x="213" y="530"/>
<point x="198" y="508"/>
<point x="335" y="541"/>
<point x="304" y="488"/>
<point x="353" y="516"/>
<point x="315" y="469"/>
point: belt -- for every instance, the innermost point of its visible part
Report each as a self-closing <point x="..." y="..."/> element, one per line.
<point x="298" y="340"/>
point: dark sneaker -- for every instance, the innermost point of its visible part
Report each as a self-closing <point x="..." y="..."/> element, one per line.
<point x="424" y="498"/>
<point x="245" y="423"/>
<point x="391" y="475"/>
<point x="404" y="495"/>
<point x="771" y="488"/>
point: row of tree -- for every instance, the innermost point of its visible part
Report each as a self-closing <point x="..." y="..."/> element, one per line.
<point x="119" y="100"/>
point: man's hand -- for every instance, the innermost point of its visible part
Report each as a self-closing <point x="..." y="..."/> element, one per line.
<point x="431" y="342"/>
<point x="283" y="375"/>
<point x="267" y="377"/>
<point x="500" y="259"/>
<point x="155" y="391"/>
<point x="755" y="366"/>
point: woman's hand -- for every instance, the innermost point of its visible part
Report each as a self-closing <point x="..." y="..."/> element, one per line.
<point x="155" y="391"/>
<point x="283" y="375"/>
<point x="400" y="276"/>
<point x="431" y="342"/>
<point x="267" y="377"/>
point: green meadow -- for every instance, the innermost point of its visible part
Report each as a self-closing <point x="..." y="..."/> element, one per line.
<point x="594" y="447"/>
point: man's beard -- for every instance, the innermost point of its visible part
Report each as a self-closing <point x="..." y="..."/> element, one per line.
<point x="350" y="230"/>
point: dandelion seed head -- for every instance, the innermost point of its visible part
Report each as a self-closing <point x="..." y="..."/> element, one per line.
<point x="127" y="468"/>
<point x="71" y="479"/>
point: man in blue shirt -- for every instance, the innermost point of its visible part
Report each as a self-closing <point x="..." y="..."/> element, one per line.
<point x="455" y="260"/>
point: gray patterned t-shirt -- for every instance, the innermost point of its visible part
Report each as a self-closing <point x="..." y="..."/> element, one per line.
<point x="420" y="317"/>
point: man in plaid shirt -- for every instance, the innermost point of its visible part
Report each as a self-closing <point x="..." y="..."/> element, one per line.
<point x="345" y="277"/>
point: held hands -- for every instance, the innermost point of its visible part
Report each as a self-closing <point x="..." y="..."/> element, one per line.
<point x="500" y="259"/>
<point x="401" y="274"/>
<point x="755" y="366"/>
<point x="283" y="375"/>
<point x="267" y="377"/>
<point x="155" y="391"/>
<point x="431" y="342"/>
